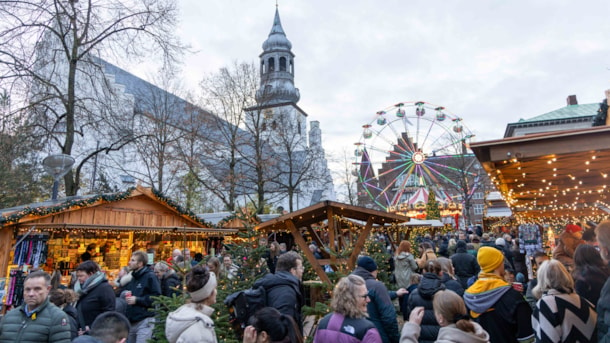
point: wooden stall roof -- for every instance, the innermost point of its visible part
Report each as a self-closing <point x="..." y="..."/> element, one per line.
<point x="326" y="211"/>
<point x="136" y="209"/>
<point x="551" y="175"/>
<point x="319" y="212"/>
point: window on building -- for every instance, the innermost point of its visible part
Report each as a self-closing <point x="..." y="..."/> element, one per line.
<point x="263" y="67"/>
<point x="282" y="63"/>
<point x="478" y="209"/>
<point x="271" y="63"/>
<point x="477" y="195"/>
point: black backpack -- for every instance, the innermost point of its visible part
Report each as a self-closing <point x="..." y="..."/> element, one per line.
<point x="244" y="304"/>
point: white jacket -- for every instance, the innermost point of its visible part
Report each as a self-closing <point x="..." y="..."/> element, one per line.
<point x="188" y="325"/>
<point x="447" y="334"/>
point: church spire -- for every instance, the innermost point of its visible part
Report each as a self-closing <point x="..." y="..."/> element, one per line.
<point x="277" y="68"/>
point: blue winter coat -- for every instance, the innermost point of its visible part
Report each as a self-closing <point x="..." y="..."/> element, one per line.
<point x="380" y="309"/>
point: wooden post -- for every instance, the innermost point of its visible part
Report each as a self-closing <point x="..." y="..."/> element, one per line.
<point x="364" y="234"/>
<point x="331" y="236"/>
<point x="300" y="241"/>
<point x="6" y="240"/>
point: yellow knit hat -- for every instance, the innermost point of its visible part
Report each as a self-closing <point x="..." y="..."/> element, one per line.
<point x="489" y="258"/>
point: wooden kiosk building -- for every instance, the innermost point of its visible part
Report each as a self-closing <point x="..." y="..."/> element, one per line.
<point x="52" y="235"/>
<point x="329" y="216"/>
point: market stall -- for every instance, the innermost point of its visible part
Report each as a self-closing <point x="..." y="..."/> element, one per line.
<point x="53" y="235"/>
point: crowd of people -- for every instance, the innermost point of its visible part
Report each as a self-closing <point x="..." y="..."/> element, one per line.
<point x="467" y="288"/>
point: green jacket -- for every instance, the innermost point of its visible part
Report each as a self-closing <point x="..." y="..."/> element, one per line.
<point x="49" y="324"/>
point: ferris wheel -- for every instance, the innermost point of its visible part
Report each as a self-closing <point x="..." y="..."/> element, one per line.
<point x="408" y="147"/>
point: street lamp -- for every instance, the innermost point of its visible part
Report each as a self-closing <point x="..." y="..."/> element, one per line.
<point x="57" y="166"/>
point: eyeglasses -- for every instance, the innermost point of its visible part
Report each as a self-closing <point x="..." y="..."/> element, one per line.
<point x="364" y="296"/>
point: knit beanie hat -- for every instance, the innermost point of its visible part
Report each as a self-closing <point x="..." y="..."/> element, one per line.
<point x="367" y="263"/>
<point x="489" y="259"/>
<point x="206" y="290"/>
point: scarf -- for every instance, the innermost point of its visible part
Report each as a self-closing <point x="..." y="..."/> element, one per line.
<point x="89" y="284"/>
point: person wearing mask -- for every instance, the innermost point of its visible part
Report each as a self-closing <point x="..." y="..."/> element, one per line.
<point x="37" y="320"/>
<point x="348" y="322"/>
<point x="192" y="322"/>
<point x="168" y="279"/>
<point x="590" y="272"/>
<point x="268" y="325"/>
<point x="495" y="305"/>
<point x="422" y="297"/>
<point x="380" y="308"/>
<point x="138" y="294"/>
<point x="561" y="315"/>
<point x="284" y="288"/>
<point x="602" y="232"/>
<point x="95" y="294"/>
<point x="452" y="316"/>
<point x="464" y="264"/>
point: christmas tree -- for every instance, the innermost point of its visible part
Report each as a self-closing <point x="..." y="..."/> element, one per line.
<point x="432" y="210"/>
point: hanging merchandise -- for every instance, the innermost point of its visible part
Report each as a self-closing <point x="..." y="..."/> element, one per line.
<point x="15" y="289"/>
<point x="31" y="250"/>
<point x="530" y="241"/>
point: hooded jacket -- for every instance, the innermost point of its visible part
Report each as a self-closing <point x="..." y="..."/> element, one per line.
<point x="96" y="296"/>
<point x="447" y="334"/>
<point x="499" y="309"/>
<point x="284" y="293"/>
<point x="404" y="267"/>
<point x="422" y="296"/>
<point x="189" y="325"/>
<point x="380" y="309"/>
<point x="464" y="264"/>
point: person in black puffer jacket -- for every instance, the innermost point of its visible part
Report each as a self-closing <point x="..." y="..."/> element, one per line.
<point x="423" y="296"/>
<point x="448" y="278"/>
<point x="464" y="264"/>
<point x="63" y="298"/>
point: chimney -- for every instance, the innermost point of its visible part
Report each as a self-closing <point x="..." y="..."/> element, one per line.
<point x="571" y="100"/>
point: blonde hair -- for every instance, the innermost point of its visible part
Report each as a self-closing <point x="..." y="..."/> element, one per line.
<point x="345" y="299"/>
<point x="553" y="275"/>
<point x="446" y="265"/>
<point x="450" y="306"/>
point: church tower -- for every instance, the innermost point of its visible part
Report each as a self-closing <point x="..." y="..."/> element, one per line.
<point x="277" y="96"/>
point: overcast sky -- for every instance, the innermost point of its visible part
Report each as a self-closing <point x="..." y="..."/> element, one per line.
<point x="491" y="62"/>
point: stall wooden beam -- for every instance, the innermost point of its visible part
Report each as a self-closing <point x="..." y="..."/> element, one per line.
<point x="360" y="243"/>
<point x="298" y="238"/>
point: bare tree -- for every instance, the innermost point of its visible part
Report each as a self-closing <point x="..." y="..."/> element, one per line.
<point x="158" y="117"/>
<point x="51" y="55"/>
<point x="18" y="165"/>
<point x="296" y="164"/>
<point x="348" y="181"/>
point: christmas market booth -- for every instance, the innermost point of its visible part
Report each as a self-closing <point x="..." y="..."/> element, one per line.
<point x="53" y="235"/>
<point x="346" y="225"/>
<point x="552" y="178"/>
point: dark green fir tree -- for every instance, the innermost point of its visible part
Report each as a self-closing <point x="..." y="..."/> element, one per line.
<point x="432" y="210"/>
